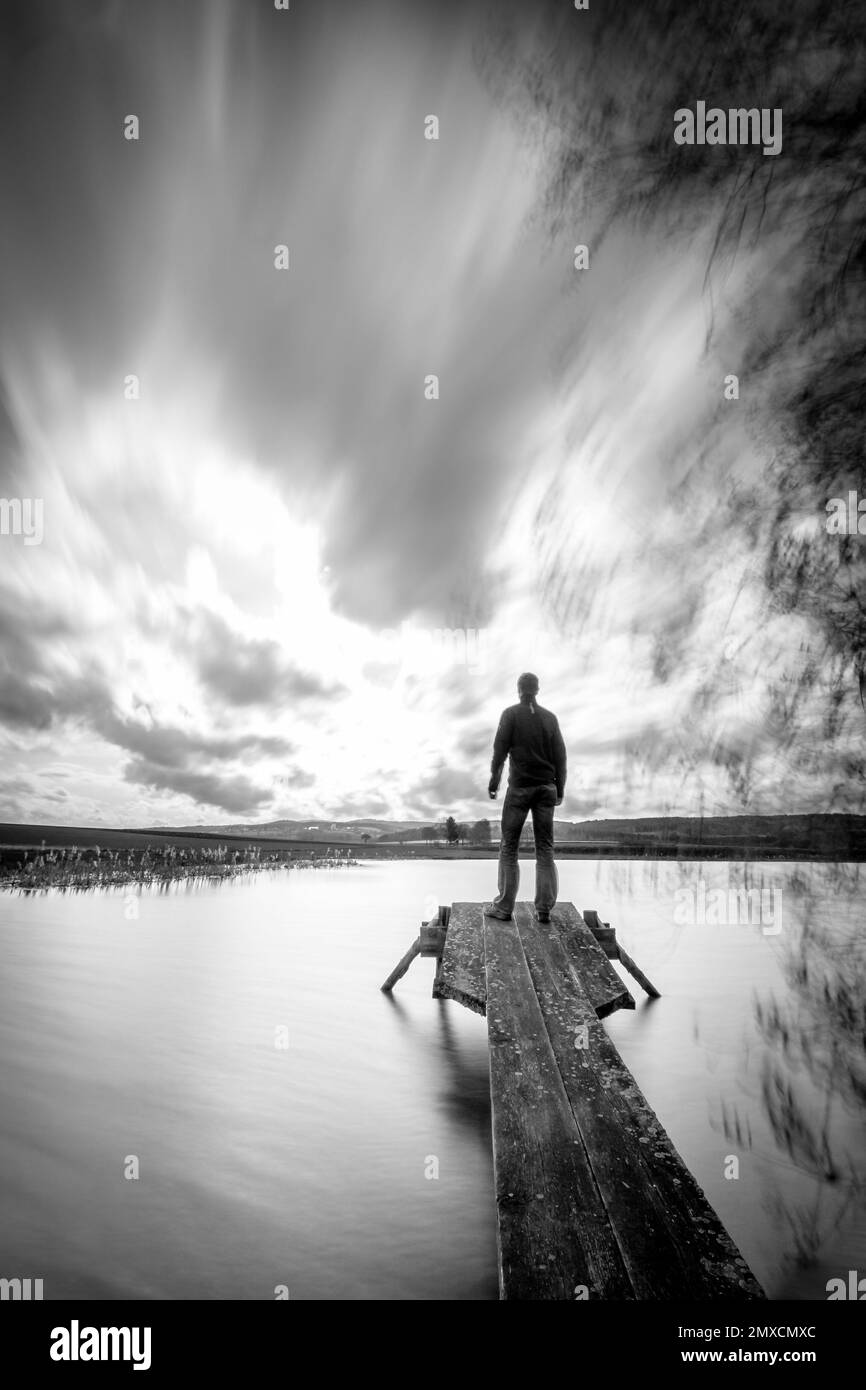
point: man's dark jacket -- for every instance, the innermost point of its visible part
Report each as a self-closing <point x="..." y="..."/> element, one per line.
<point x="536" y="747"/>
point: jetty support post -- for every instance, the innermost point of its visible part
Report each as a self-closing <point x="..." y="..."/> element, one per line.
<point x="430" y="942"/>
<point x="402" y="966"/>
<point x="605" y="935"/>
<point x="638" y="974"/>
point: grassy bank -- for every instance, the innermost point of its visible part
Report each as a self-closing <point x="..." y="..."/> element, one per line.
<point x="78" y="867"/>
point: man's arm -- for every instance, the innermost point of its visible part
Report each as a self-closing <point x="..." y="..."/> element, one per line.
<point x="501" y="748"/>
<point x="560" y="760"/>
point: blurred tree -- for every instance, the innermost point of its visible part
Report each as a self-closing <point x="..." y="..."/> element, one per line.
<point x="813" y="1072"/>
<point x="480" y="833"/>
<point x="598" y="91"/>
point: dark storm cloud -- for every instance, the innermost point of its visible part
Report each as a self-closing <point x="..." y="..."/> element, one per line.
<point x="37" y="691"/>
<point x="237" y="795"/>
<point x="23" y="705"/>
<point x="172" y="747"/>
<point x="250" y="671"/>
<point x="177" y="760"/>
<point x="34" y="696"/>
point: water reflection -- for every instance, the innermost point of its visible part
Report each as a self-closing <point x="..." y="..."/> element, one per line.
<point x="791" y="1070"/>
<point x="813" y="1074"/>
<point x="155" y="1035"/>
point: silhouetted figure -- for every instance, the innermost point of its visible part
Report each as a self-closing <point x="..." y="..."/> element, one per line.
<point x="529" y="736"/>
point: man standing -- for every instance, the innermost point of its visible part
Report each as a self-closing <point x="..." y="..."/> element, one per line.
<point x="536" y="782"/>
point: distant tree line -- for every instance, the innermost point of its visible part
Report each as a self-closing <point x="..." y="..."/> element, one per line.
<point x="449" y="831"/>
<point x="455" y="832"/>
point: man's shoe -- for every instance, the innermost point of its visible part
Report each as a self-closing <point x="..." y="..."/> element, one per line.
<point x="541" y="916"/>
<point x="500" y="916"/>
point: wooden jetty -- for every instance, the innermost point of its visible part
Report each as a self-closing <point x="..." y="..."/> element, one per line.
<point x="593" y="1201"/>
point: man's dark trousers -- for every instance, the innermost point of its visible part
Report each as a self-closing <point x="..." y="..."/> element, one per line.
<point x="519" y="802"/>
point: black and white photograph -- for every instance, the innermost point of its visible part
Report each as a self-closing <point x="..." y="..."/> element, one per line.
<point x="432" y="667"/>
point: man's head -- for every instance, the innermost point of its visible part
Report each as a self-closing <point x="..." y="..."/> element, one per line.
<point x="527" y="686"/>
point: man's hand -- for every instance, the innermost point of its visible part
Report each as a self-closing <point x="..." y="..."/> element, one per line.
<point x="492" y="792"/>
<point x="558" y="801"/>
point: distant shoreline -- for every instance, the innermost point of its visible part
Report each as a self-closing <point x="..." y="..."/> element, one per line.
<point x="17" y="839"/>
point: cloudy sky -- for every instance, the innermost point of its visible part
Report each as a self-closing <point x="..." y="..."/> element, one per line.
<point x="238" y="603"/>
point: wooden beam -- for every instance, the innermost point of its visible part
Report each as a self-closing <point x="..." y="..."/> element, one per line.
<point x="554" y="1236"/>
<point x="638" y="975"/>
<point x="400" y="969"/>
<point x="603" y="933"/>
<point x="672" y="1242"/>
<point x="606" y="937"/>
<point x="432" y="938"/>
<point x="444" y="917"/>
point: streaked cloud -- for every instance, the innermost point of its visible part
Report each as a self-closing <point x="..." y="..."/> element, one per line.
<point x="236" y="604"/>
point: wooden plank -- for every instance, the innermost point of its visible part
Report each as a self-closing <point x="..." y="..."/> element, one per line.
<point x="673" y="1243"/>
<point x="462" y="974"/>
<point x="553" y="1232"/>
<point x="600" y="981"/>
<point x="605" y="937"/>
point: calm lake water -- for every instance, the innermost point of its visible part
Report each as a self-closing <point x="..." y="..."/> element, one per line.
<point x="305" y="1165"/>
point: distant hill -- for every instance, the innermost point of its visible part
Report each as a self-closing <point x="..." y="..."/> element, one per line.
<point x="321" y="831"/>
<point x="818" y="837"/>
<point x="828" y="836"/>
<point x="825" y="835"/>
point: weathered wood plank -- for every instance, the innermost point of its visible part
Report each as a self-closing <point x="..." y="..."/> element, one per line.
<point x="672" y="1242"/>
<point x="553" y="1231"/>
<point x="600" y="981"/>
<point x="462" y="974"/>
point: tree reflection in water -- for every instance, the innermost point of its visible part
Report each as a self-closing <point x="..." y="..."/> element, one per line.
<point x="813" y="1072"/>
